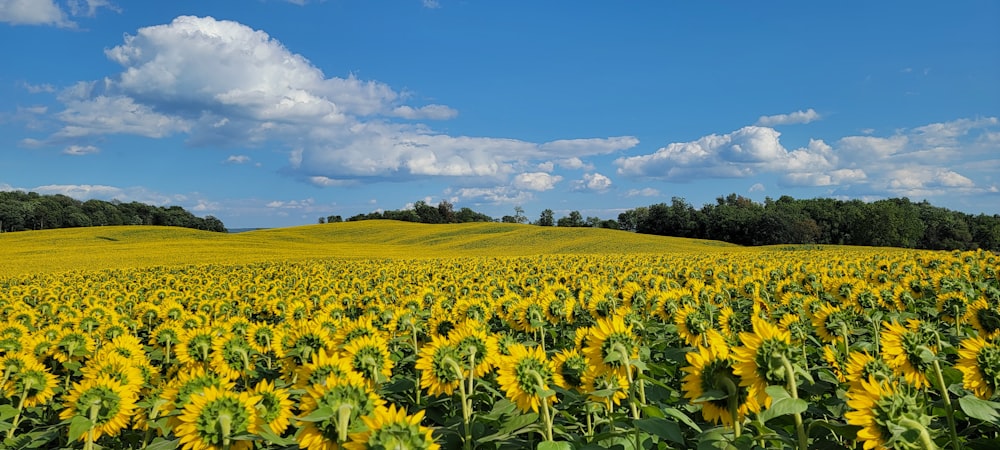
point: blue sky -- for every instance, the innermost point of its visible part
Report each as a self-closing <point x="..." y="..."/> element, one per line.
<point x="275" y="113"/>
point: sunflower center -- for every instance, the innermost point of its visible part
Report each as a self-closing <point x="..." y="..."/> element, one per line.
<point x="988" y="360"/>
<point x="527" y="372"/>
<point x="106" y="400"/>
<point x="222" y="418"/>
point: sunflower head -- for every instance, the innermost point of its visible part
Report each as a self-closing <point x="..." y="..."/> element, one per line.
<point x="570" y="364"/>
<point x="526" y="376"/>
<point x="392" y="428"/>
<point x="440" y="366"/>
<point x="979" y="362"/>
<point x="346" y="398"/>
<point x="891" y="414"/>
<point x="909" y="350"/>
<point x="214" y="417"/>
<point x="710" y="369"/>
<point x="104" y="401"/>
<point x="274" y="408"/>
<point x="612" y="345"/>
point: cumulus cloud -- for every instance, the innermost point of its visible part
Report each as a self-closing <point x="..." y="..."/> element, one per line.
<point x="593" y="182"/>
<point x="796" y="117"/>
<point x="33" y="12"/>
<point x="536" y="181"/>
<point x="222" y="83"/>
<point x="730" y="155"/>
<point x="47" y="12"/>
<point x="496" y="195"/>
<point x="921" y="162"/>
<point x="238" y="159"/>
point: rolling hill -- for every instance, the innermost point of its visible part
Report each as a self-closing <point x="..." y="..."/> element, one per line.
<point x="147" y="246"/>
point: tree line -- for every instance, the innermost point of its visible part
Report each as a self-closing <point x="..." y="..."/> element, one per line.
<point x="20" y="211"/>
<point x="894" y="222"/>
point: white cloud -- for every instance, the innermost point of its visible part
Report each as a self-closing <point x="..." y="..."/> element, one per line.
<point x="757" y="187"/>
<point x="644" y="192"/>
<point x="39" y="88"/>
<point x="536" y="181"/>
<point x="800" y="116"/>
<point x="921" y="162"/>
<point x="79" y="150"/>
<point x="117" y="115"/>
<point x="594" y="182"/>
<point x="734" y="154"/>
<point x="431" y="4"/>
<point x="434" y="112"/>
<point x="33" y="12"/>
<point x="221" y="83"/>
<point x="305" y="204"/>
<point x="238" y="159"/>
<point x="89" y="7"/>
<point x="494" y="195"/>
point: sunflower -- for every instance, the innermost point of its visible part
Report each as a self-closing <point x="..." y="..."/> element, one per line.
<point x="350" y="394"/>
<point x="233" y="357"/>
<point x="760" y="361"/>
<point x="353" y="329"/>
<point x="570" y="364"/>
<point x="437" y="365"/>
<point x="107" y="403"/>
<point x="322" y="365"/>
<point x="861" y="366"/>
<point x="195" y="346"/>
<point x="214" y="416"/>
<point x="12" y="363"/>
<point x="262" y="337"/>
<point x="710" y="368"/>
<point x="526" y="376"/>
<point x="475" y="345"/>
<point x="886" y="410"/>
<point x="179" y="391"/>
<point x="369" y="356"/>
<point x="985" y="317"/>
<point x="604" y="387"/>
<point x="693" y="320"/>
<point x="908" y="350"/>
<point x="390" y="428"/>
<point x="612" y="346"/>
<point x="979" y="362"/>
<point x="117" y="367"/>
<point x="165" y="336"/>
<point x="274" y="408"/>
<point x="72" y="346"/>
<point x="32" y="383"/>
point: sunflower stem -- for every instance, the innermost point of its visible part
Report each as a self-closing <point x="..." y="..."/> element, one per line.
<point x="733" y="401"/>
<point x="925" y="437"/>
<point x="793" y="389"/>
<point x="545" y="405"/>
<point x="343" y="421"/>
<point x="949" y="411"/>
<point x="20" y="408"/>
<point x="225" y="422"/>
<point x="466" y="405"/>
<point x="416" y="351"/>
<point x="95" y="409"/>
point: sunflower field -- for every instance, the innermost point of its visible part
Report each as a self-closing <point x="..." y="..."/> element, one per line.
<point x="762" y="348"/>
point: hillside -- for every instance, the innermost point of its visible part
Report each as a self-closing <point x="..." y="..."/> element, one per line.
<point x="146" y="246"/>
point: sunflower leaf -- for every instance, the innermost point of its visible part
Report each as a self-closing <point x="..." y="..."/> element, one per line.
<point x="782" y="404"/>
<point x="713" y="394"/>
<point x="268" y="435"/>
<point x="665" y="429"/>
<point x="77" y="426"/>
<point x="555" y="445"/>
<point x="978" y="408"/>
<point x="318" y="415"/>
<point x="7" y="411"/>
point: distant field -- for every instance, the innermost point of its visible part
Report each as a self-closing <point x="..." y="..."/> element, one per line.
<point x="145" y="246"/>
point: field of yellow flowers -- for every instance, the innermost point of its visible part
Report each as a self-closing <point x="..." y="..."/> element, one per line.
<point x="492" y="337"/>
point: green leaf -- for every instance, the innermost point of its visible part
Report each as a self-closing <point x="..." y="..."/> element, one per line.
<point x="163" y="444"/>
<point x="978" y="408"/>
<point x="713" y="394"/>
<point x="319" y="415"/>
<point x="266" y="433"/>
<point x="555" y="445"/>
<point x="679" y="415"/>
<point x="7" y="412"/>
<point x="79" y="425"/>
<point x="665" y="429"/>
<point x="782" y="404"/>
<point x="517" y="422"/>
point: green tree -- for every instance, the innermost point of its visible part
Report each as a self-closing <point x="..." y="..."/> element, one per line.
<point x="546" y="218"/>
